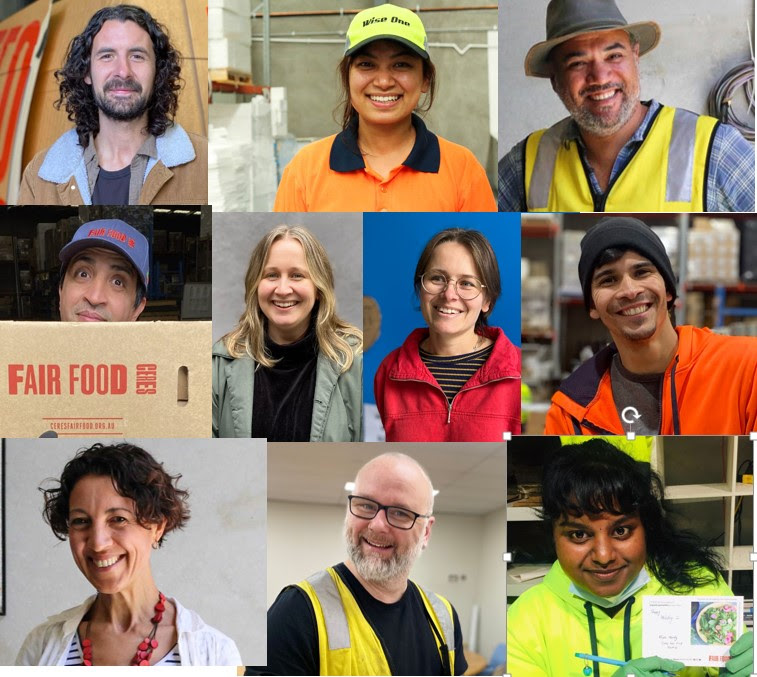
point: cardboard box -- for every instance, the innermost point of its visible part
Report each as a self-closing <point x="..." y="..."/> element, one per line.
<point x="130" y="379"/>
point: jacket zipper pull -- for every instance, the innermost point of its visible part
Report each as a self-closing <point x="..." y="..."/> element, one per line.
<point x="449" y="411"/>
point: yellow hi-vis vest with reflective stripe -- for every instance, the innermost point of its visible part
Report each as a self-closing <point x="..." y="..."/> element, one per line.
<point x="347" y="644"/>
<point x="668" y="172"/>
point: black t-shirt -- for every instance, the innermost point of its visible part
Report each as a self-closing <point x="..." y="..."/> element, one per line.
<point x="408" y="640"/>
<point x="112" y="188"/>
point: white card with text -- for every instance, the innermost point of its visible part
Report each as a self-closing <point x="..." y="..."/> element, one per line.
<point x="690" y="629"/>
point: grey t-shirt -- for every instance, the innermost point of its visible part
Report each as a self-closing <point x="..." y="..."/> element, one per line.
<point x="642" y="392"/>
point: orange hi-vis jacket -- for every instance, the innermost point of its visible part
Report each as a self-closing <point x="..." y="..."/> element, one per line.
<point x="709" y="388"/>
<point x="330" y="175"/>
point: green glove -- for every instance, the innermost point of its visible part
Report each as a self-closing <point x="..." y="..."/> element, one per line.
<point x="742" y="657"/>
<point x="649" y="667"/>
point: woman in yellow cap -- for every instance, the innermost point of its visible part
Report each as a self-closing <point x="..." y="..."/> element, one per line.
<point x="385" y="159"/>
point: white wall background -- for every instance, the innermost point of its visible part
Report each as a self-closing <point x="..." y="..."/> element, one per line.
<point x="215" y="566"/>
<point x="305" y="537"/>
<point x="236" y="234"/>
<point x="701" y="41"/>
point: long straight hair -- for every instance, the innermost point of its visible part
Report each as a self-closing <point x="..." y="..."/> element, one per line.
<point x="332" y="333"/>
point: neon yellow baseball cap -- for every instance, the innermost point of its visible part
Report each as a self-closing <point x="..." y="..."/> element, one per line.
<point x="387" y="22"/>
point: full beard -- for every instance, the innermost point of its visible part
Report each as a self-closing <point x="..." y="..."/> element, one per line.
<point x="122" y="110"/>
<point x="598" y="124"/>
<point x="377" y="569"/>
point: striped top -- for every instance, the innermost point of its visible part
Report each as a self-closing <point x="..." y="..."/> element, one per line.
<point x="452" y="372"/>
<point x="76" y="657"/>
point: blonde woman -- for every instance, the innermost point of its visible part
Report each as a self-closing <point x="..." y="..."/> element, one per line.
<point x="290" y="354"/>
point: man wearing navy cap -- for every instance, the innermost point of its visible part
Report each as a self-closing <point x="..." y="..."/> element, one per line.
<point x="104" y="273"/>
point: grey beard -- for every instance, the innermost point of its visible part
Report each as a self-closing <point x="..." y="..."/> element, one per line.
<point x="377" y="570"/>
<point x="594" y="124"/>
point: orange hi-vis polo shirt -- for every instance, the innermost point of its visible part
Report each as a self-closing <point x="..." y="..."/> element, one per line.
<point x="331" y="176"/>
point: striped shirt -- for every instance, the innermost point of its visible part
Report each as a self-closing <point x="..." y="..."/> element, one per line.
<point x="452" y="372"/>
<point x="76" y="657"/>
<point x="730" y="173"/>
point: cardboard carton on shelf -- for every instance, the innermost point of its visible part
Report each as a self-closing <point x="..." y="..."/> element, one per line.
<point x="130" y="379"/>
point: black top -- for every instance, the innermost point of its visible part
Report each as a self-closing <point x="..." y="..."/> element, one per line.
<point x="112" y="188"/>
<point x="282" y="399"/>
<point x="408" y="640"/>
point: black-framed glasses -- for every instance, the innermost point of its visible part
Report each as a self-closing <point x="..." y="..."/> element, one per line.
<point x="367" y="509"/>
<point x="467" y="287"/>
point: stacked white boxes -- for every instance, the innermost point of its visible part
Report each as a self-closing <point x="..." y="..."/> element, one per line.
<point x="571" y="253"/>
<point x="229" y="177"/>
<point x="244" y="176"/>
<point x="535" y="297"/>
<point x="229" y="35"/>
<point x="264" y="180"/>
<point x="714" y="251"/>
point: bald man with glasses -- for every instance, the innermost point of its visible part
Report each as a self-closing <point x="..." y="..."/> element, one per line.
<point x="364" y="616"/>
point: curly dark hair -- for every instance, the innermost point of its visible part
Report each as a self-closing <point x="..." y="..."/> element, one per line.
<point x="77" y="97"/>
<point x="135" y="474"/>
<point x="596" y="477"/>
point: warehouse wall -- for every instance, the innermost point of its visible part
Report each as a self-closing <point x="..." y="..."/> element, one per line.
<point x="460" y="111"/>
<point x="701" y="41"/>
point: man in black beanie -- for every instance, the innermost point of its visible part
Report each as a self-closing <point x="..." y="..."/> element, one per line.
<point x="654" y="378"/>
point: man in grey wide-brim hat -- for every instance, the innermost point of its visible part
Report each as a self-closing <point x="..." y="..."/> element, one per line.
<point x="615" y="152"/>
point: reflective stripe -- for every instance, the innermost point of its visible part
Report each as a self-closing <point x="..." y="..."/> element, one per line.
<point x="442" y="614"/>
<point x="333" y="611"/>
<point x="544" y="166"/>
<point x="681" y="157"/>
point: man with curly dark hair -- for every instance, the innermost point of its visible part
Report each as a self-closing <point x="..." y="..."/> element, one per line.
<point x="120" y="85"/>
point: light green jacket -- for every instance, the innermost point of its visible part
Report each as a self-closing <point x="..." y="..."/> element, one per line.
<point x="547" y="625"/>
<point x="337" y="405"/>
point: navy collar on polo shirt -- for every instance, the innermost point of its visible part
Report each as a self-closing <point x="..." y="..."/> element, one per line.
<point x="424" y="157"/>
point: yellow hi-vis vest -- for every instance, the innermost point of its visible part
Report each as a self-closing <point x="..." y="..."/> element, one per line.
<point x="668" y="172"/>
<point x="347" y="644"/>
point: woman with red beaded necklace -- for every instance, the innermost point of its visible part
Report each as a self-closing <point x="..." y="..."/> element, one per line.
<point x="115" y="504"/>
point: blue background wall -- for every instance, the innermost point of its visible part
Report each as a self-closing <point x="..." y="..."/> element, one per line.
<point x="392" y="244"/>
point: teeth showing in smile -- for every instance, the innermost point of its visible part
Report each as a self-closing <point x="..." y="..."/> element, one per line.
<point x="602" y="95"/>
<point x="102" y="563"/>
<point x="384" y="99"/>
<point x="449" y="311"/>
<point x="376" y="545"/>
<point x="635" y="311"/>
<point x="284" y="304"/>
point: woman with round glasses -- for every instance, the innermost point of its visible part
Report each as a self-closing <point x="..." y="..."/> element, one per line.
<point x="458" y="379"/>
<point x="385" y="159"/>
<point x="291" y="370"/>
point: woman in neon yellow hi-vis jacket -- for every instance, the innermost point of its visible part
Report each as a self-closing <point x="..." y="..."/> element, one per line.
<point x="614" y="547"/>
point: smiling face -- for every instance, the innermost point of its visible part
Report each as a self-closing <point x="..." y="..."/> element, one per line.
<point x="630" y="298"/>
<point x="379" y="551"/>
<point x="122" y="70"/>
<point x="109" y="546"/>
<point x="99" y="285"/>
<point x="597" y="78"/>
<point x="603" y="553"/>
<point x="286" y="292"/>
<point x="386" y="82"/>
<point x="448" y="316"/>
